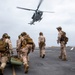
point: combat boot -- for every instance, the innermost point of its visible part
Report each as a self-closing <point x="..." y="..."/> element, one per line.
<point x="43" y="56"/>
<point x="26" y="67"/>
<point x="64" y="59"/>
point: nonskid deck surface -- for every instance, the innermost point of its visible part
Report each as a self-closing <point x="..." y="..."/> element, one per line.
<point x="50" y="65"/>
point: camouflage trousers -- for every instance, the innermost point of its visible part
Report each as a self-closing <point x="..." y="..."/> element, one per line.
<point x="24" y="58"/>
<point x="23" y="55"/>
<point x="42" y="51"/>
<point x="63" y="55"/>
<point x="29" y="50"/>
<point x="3" y="61"/>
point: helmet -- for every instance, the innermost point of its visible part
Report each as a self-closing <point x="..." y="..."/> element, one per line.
<point x="23" y="33"/>
<point x="40" y="33"/>
<point x="59" y="28"/>
<point x="5" y="35"/>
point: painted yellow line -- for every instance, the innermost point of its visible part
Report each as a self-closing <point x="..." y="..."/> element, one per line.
<point x="13" y="69"/>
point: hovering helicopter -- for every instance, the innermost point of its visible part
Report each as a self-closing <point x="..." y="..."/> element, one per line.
<point x="37" y="16"/>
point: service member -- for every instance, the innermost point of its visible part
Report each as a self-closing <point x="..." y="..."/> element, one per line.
<point x="24" y="47"/>
<point x="62" y="39"/>
<point x="42" y="44"/>
<point x="5" y="51"/>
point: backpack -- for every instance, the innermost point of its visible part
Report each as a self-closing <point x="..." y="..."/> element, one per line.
<point x="29" y="41"/>
<point x="63" y="37"/>
<point x="3" y="45"/>
<point x="23" y="43"/>
<point x="66" y="40"/>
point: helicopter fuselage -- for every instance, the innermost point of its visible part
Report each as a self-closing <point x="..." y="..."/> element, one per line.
<point x="37" y="16"/>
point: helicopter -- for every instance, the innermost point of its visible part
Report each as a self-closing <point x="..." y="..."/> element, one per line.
<point x="37" y="16"/>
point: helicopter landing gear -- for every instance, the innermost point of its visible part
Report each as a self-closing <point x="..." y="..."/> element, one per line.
<point x="31" y="23"/>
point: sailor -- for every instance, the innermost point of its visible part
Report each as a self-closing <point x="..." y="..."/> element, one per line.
<point x="5" y="51"/>
<point x="23" y="49"/>
<point x="62" y="39"/>
<point x="42" y="44"/>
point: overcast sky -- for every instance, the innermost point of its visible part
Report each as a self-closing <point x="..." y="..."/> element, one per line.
<point x="14" y="21"/>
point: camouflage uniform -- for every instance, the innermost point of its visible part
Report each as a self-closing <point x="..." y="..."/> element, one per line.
<point x="23" y="50"/>
<point x="63" y="55"/>
<point x="5" y="55"/>
<point x="41" y="42"/>
<point x="62" y="44"/>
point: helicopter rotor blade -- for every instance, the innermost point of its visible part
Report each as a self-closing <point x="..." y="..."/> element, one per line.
<point x="26" y="9"/>
<point x="39" y="4"/>
<point x="48" y="11"/>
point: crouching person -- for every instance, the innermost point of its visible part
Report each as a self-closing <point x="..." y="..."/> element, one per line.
<point x="5" y="46"/>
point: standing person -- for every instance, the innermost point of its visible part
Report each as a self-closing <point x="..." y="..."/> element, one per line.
<point x="4" y="51"/>
<point x="23" y="50"/>
<point x="41" y="42"/>
<point x="62" y="39"/>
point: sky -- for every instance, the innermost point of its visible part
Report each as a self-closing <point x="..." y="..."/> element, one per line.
<point x="14" y="21"/>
